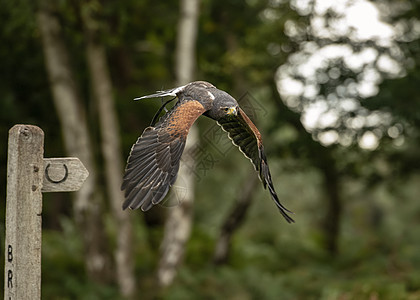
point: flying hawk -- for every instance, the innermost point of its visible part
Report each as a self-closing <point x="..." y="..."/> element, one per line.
<point x="153" y="163"/>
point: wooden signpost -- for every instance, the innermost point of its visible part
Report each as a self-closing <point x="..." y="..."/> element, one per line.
<point x="29" y="174"/>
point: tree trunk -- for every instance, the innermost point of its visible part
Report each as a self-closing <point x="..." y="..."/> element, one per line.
<point x="326" y="164"/>
<point x="88" y="204"/>
<point x="179" y="221"/>
<point x="186" y="39"/>
<point x="111" y="150"/>
<point x="235" y="219"/>
<point x="333" y="215"/>
<point x="322" y="159"/>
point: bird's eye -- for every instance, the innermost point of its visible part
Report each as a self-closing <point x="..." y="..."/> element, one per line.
<point x="226" y="109"/>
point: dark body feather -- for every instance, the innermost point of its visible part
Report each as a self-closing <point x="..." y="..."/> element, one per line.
<point x="245" y="135"/>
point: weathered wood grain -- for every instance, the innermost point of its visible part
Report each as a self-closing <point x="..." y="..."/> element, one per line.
<point x="63" y="174"/>
<point x="25" y="167"/>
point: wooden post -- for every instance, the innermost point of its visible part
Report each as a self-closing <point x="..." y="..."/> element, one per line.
<point x="28" y="175"/>
<point x="23" y="213"/>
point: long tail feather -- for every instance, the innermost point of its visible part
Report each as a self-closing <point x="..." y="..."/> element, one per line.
<point x="159" y="94"/>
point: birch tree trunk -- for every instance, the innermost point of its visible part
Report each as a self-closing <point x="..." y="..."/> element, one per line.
<point x="179" y="221"/>
<point x="111" y="150"/>
<point x="88" y="204"/>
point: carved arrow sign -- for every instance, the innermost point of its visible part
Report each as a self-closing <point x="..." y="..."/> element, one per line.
<point x="63" y="174"/>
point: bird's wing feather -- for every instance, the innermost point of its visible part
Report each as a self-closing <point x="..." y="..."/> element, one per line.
<point x="245" y="135"/>
<point x="153" y="163"/>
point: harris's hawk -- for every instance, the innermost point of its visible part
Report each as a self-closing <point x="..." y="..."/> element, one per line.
<point x="153" y="163"/>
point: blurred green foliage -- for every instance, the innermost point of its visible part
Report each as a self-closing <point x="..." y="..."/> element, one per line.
<point x="239" y="49"/>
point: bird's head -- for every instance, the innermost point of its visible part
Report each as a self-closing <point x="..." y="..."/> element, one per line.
<point x="224" y="105"/>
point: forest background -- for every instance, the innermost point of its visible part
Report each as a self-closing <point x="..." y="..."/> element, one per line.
<point x="332" y="86"/>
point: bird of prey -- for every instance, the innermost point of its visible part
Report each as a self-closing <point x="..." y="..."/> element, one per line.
<point x="153" y="163"/>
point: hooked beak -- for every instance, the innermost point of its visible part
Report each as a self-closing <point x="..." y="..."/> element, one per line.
<point x="232" y="111"/>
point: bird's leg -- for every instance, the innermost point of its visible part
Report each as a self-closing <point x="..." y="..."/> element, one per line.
<point x="163" y="107"/>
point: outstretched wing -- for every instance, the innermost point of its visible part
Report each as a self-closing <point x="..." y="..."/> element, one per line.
<point x="246" y="136"/>
<point x="153" y="163"/>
